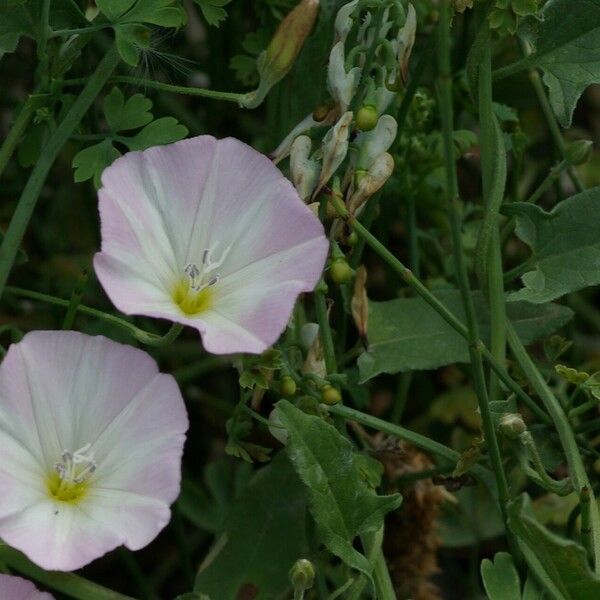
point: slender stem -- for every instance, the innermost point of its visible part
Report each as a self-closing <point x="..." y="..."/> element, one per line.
<point x="565" y="433"/>
<point x="325" y="328"/>
<point x="16" y="132"/>
<point x="67" y="583"/>
<point x="80" y="30"/>
<point x="493" y="180"/>
<point x="447" y="116"/>
<point x="180" y="89"/>
<point x="408" y="277"/>
<point x="145" y="337"/>
<point x="75" y="300"/>
<point x="583" y="408"/>
<point x="29" y="197"/>
<point x="585" y="498"/>
<point x="544" y="186"/>
<point x="416" y="439"/>
<point x="512" y="69"/>
<point x="384" y="589"/>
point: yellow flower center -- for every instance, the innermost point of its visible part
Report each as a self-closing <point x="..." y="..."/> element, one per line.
<point x="69" y="482"/>
<point x="66" y="490"/>
<point x="190" y="301"/>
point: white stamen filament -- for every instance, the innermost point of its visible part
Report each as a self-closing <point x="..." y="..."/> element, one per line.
<point x="201" y="279"/>
<point x="76" y="467"/>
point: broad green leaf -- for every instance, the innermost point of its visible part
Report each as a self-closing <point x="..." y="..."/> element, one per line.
<point x="565" y="246"/>
<point x="263" y="537"/>
<point x="166" y="13"/>
<point x="500" y="578"/>
<point x="131" y="38"/>
<point x="113" y="9"/>
<point x="566" y="43"/>
<point x="407" y="334"/>
<point x="122" y="115"/>
<point x="162" y="131"/>
<point x="213" y="10"/>
<point x="208" y="506"/>
<point x="91" y="161"/>
<point x="560" y="565"/>
<point x="341" y="503"/>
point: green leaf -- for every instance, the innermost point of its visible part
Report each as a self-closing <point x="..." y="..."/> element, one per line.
<point x="500" y="578"/>
<point x="165" y="13"/>
<point x="565" y="246"/>
<point x="560" y="565"/>
<point x="122" y="115"/>
<point x="407" y="334"/>
<point x="15" y="20"/>
<point x="131" y="39"/>
<point x="566" y="42"/>
<point x="113" y="9"/>
<point x="213" y="10"/>
<point x="162" y="131"/>
<point x="91" y="161"/>
<point x="340" y="500"/>
<point x="208" y="506"/>
<point x="264" y="536"/>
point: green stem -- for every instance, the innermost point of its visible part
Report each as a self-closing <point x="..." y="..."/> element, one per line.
<point x="512" y="69"/>
<point x="585" y="498"/>
<point x="565" y="433"/>
<point x="325" y="328"/>
<point x="493" y="180"/>
<point x="548" y="182"/>
<point x="79" y="30"/>
<point x="583" y="408"/>
<point x="16" y="132"/>
<point x="409" y="278"/>
<point x="29" y="197"/>
<point x="417" y="440"/>
<point x="67" y="583"/>
<point x="75" y="300"/>
<point x="144" y="337"/>
<point x="384" y="589"/>
<point x="555" y="132"/>
<point x="180" y="89"/>
<point x="447" y="116"/>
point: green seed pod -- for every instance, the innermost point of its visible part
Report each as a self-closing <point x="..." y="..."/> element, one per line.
<point x="302" y="575"/>
<point x="512" y="426"/>
<point x="287" y="386"/>
<point x="340" y="271"/>
<point x="366" y="117"/>
<point x="352" y="239"/>
<point x="330" y="395"/>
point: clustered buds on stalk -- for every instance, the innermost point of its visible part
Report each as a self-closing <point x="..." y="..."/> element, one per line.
<point x="368" y="67"/>
<point x="276" y="61"/>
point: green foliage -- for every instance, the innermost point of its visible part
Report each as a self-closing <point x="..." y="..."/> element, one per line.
<point x="131" y="17"/>
<point x="407" y="334"/>
<point x="341" y="502"/>
<point x="566" y="44"/>
<point x="125" y="115"/>
<point x="263" y="537"/>
<point x="500" y="578"/>
<point x="507" y="14"/>
<point x="564" y="244"/>
<point x="560" y="565"/>
<point x="213" y="10"/>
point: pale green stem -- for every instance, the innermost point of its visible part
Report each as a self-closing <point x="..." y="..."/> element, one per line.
<point x="67" y="583"/>
<point x="565" y="433"/>
<point x="29" y="197"/>
<point x="144" y="337"/>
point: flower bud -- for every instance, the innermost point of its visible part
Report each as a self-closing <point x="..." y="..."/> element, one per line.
<point x="512" y="426"/>
<point x="374" y="143"/>
<point x="360" y="302"/>
<point x="352" y="239"/>
<point x="366" y="117"/>
<point x="342" y="85"/>
<point x="405" y="42"/>
<point x="579" y="152"/>
<point x="305" y="172"/>
<point x="330" y="395"/>
<point x="379" y="172"/>
<point x="335" y="148"/>
<point x="340" y="271"/>
<point x="302" y="575"/>
<point x="275" y="62"/>
<point x="287" y="386"/>
<point x="344" y="20"/>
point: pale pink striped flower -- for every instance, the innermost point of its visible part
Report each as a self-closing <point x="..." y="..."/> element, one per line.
<point x="207" y="233"/>
<point x="15" y="588"/>
<point x="91" y="436"/>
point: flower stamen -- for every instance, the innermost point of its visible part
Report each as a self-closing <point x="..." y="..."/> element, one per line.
<point x="69" y="481"/>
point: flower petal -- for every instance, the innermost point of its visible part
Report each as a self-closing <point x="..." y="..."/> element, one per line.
<point x="16" y="588"/>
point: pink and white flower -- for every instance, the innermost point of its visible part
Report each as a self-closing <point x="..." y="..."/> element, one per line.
<point x="207" y="233"/>
<point x="15" y="588"/>
<point x="91" y="436"/>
